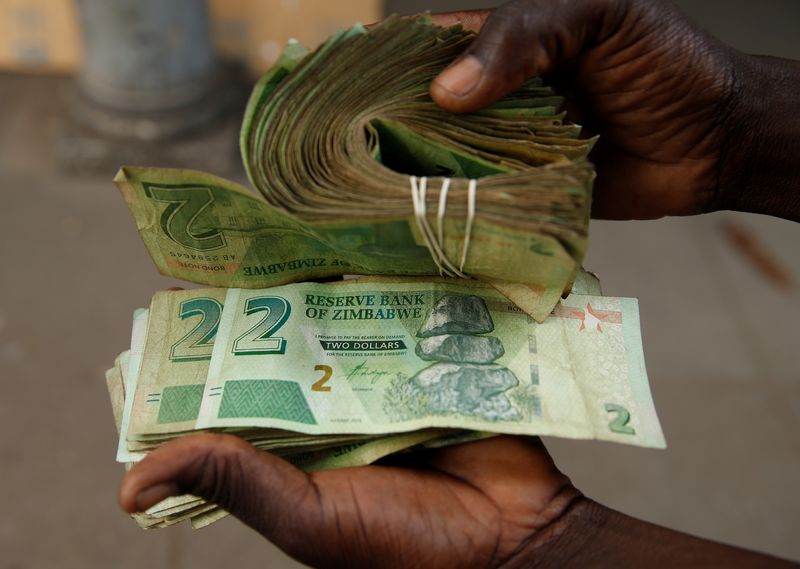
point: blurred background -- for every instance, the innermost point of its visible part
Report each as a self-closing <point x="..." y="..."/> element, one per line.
<point x="86" y="86"/>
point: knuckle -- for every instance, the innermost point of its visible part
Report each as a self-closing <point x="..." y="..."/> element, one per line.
<point x="506" y="34"/>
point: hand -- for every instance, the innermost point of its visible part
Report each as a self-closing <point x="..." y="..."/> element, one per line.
<point x="679" y="113"/>
<point x="495" y="503"/>
<point x="483" y="504"/>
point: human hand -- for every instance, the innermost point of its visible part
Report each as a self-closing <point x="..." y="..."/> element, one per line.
<point x="679" y="113"/>
<point x="497" y="503"/>
<point x="482" y="504"/>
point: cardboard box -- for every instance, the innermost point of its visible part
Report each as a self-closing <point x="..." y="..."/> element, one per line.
<point x="44" y="35"/>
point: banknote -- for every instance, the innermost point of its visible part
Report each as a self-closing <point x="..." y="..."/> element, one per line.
<point x="372" y="177"/>
<point x="204" y="229"/>
<point x="172" y="344"/>
<point x="130" y="373"/>
<point x="372" y="358"/>
<point x="320" y="456"/>
<point x="180" y="335"/>
<point x="471" y="364"/>
<point x="116" y="392"/>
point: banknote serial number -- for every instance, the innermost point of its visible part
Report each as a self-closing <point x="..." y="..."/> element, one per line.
<point x="197" y="257"/>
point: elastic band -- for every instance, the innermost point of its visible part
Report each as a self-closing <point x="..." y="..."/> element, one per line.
<point x="435" y="242"/>
<point x="471" y="197"/>
<point x="419" y="188"/>
<point x="440" y="211"/>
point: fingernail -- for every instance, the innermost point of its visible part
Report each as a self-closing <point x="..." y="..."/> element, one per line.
<point x="461" y="77"/>
<point x="149" y="497"/>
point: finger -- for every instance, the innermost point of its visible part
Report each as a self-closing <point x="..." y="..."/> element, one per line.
<point x="471" y="20"/>
<point x="265" y="492"/>
<point x="520" y="39"/>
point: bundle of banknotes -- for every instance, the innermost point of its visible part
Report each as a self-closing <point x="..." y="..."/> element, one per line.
<point x="477" y="320"/>
<point x="332" y="375"/>
<point x="359" y="172"/>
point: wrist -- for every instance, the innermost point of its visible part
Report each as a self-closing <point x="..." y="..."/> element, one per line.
<point x="759" y="168"/>
<point x="588" y="534"/>
<point x="567" y="541"/>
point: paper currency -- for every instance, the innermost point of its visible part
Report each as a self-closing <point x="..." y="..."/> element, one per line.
<point x="329" y="454"/>
<point x="366" y="358"/>
<point x="371" y="358"/>
<point x="342" y="374"/>
<point x="130" y="363"/>
<point x="358" y="171"/>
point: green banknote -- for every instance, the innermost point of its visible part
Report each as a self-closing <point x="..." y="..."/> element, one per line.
<point x="201" y="228"/>
<point x="179" y="339"/>
<point x="377" y="358"/>
<point x="179" y="353"/>
<point x="172" y="344"/>
<point x="116" y="391"/>
<point x="130" y="363"/>
<point x="358" y="171"/>
<point x="464" y="349"/>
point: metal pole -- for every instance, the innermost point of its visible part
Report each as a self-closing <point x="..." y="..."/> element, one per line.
<point x="149" y="68"/>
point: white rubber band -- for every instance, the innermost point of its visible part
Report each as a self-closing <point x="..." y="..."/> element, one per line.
<point x="472" y="192"/>
<point x="419" y="188"/>
<point x="435" y="242"/>
<point x="436" y="253"/>
<point x="442" y="208"/>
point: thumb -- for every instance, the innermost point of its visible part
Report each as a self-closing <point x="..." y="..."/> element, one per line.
<point x="520" y="39"/>
<point x="267" y="493"/>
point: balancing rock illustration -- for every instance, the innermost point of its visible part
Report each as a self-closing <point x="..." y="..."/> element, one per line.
<point x="464" y="380"/>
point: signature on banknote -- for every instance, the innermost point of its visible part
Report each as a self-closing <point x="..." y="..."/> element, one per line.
<point x="363" y="370"/>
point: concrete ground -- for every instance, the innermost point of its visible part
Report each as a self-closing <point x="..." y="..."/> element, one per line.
<point x="720" y="343"/>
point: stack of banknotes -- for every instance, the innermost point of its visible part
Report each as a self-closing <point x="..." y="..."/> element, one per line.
<point x="359" y="172"/>
<point x="477" y="319"/>
<point x="333" y="375"/>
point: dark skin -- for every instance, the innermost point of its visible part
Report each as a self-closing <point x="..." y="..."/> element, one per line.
<point x="687" y="126"/>
<point x="497" y="503"/>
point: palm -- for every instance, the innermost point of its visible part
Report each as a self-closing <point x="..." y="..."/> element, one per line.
<point x="471" y="505"/>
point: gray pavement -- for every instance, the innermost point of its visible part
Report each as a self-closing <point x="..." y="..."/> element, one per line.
<point x="720" y="343"/>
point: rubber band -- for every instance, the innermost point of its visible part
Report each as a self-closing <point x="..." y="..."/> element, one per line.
<point x="435" y="241"/>
<point x="419" y="187"/>
<point x="471" y="197"/>
<point x="441" y="210"/>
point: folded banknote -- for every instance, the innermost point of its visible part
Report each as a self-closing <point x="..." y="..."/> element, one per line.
<point x="358" y="171"/>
